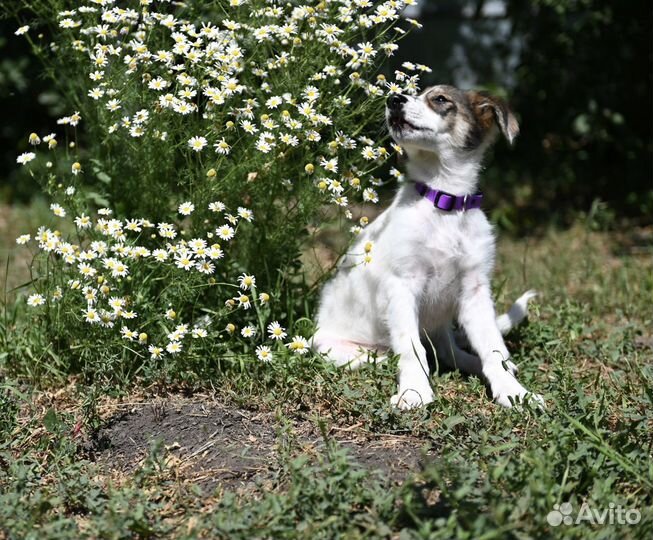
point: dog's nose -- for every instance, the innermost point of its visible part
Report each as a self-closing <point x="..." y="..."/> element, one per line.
<point x="395" y="101"/>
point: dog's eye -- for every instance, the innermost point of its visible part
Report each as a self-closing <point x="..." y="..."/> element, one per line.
<point x="439" y="99"/>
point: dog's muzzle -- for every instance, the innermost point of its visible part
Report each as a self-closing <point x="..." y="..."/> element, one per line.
<point x="395" y="102"/>
<point x="396" y="119"/>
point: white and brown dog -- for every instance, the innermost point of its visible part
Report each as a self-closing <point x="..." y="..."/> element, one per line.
<point x="433" y="253"/>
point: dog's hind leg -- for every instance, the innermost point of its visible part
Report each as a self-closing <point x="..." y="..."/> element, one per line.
<point x="451" y="355"/>
<point x="345" y="353"/>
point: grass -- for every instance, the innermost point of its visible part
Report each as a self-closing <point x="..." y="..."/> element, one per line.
<point x="308" y="451"/>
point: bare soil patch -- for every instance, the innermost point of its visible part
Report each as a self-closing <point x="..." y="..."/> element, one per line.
<point x="218" y="445"/>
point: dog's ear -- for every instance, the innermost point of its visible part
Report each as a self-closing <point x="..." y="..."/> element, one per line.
<point x="504" y="118"/>
<point x="483" y="103"/>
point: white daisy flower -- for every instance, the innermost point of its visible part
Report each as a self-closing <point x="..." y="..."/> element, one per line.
<point x="174" y="347"/>
<point x="91" y="315"/>
<point x="186" y="208"/>
<point x="217" y="206"/>
<point x="155" y="352"/>
<point x="205" y="267"/>
<point x="299" y="345"/>
<point x="263" y="353"/>
<point x="184" y="261"/>
<point x="83" y="221"/>
<point x="215" y="252"/>
<point x="243" y="301"/>
<point x="248" y="331"/>
<point x="246" y="282"/>
<point x="25" y="157"/>
<point x="369" y="195"/>
<point x="222" y="147"/>
<point x="245" y="213"/>
<point x="199" y="333"/>
<point x="226" y="232"/>
<point x="197" y="143"/>
<point x="276" y="331"/>
<point x="35" y="300"/>
<point x="57" y="210"/>
<point x="128" y="334"/>
<point x="160" y="255"/>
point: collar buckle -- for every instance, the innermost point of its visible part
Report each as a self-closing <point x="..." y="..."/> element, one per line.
<point x="447" y="201"/>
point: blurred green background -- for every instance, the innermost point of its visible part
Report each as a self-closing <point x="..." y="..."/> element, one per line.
<point x="578" y="73"/>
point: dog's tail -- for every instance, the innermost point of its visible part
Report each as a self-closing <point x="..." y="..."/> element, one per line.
<point x="516" y="314"/>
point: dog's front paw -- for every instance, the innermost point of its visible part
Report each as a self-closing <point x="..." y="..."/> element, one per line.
<point x="411" y="398"/>
<point x="512" y="400"/>
<point x="508" y="392"/>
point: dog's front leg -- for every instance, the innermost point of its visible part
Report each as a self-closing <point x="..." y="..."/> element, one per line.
<point x="477" y="316"/>
<point x="403" y="324"/>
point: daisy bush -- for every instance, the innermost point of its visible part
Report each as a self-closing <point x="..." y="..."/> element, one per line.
<point x="204" y="141"/>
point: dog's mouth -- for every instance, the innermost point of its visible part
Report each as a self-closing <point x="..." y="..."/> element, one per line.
<point x="398" y="123"/>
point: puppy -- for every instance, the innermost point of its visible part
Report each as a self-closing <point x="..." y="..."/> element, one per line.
<point x="432" y="253"/>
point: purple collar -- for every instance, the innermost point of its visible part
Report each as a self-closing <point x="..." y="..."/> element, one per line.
<point x="446" y="201"/>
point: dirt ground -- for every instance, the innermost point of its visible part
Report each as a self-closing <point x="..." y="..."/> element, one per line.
<point x="216" y="445"/>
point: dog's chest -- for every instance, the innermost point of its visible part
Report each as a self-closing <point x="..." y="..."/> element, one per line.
<point x="439" y="242"/>
<point x="441" y="253"/>
<point x="440" y="249"/>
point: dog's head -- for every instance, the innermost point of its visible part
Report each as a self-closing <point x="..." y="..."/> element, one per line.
<point x="443" y="118"/>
